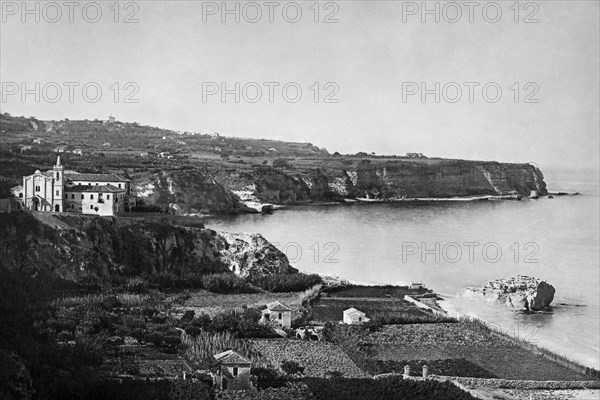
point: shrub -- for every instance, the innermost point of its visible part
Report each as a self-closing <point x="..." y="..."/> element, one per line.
<point x="241" y="324"/>
<point x="280" y="163"/>
<point x="137" y="285"/>
<point x="224" y="283"/>
<point x="267" y="378"/>
<point x="291" y="367"/>
<point x="386" y="388"/>
<point x="131" y="325"/>
<point x="279" y="283"/>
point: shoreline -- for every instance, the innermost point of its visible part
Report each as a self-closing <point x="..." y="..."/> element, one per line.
<point x="361" y="201"/>
<point x="543" y="345"/>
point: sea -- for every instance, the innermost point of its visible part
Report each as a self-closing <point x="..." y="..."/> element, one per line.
<point x="450" y="245"/>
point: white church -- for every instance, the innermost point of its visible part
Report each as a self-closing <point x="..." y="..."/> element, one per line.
<point x="58" y="190"/>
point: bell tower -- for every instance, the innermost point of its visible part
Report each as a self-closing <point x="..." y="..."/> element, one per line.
<point x="58" y="199"/>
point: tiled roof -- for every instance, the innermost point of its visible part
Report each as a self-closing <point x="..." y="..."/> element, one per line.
<point x="231" y="357"/>
<point x="95" y="177"/>
<point x="94" y="189"/>
<point x="277" y="306"/>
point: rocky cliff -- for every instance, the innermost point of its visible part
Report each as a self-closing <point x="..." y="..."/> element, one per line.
<point x="78" y="247"/>
<point x="386" y="179"/>
<point x="518" y="291"/>
<point x="185" y="190"/>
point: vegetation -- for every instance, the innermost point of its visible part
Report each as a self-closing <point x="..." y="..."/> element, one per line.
<point x="382" y="291"/>
<point x="278" y="283"/>
<point x="447" y="367"/>
<point x="380" y="311"/>
<point x="318" y="359"/>
<point x="291" y="367"/>
<point x="244" y="324"/>
<point x="391" y="388"/>
<point x="201" y="348"/>
<point x="500" y="356"/>
<point x="225" y="283"/>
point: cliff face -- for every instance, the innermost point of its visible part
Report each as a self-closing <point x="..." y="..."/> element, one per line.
<point x="74" y="248"/>
<point x="393" y="179"/>
<point x="185" y="191"/>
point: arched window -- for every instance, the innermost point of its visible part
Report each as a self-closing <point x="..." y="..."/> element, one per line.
<point x="57" y="175"/>
<point x="57" y="208"/>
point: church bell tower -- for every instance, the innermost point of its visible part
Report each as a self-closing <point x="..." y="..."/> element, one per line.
<point x="58" y="200"/>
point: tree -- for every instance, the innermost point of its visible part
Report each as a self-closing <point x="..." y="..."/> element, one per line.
<point x="280" y="163"/>
<point x="291" y="367"/>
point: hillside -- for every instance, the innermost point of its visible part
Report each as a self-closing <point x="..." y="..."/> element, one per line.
<point x="77" y="248"/>
<point x="209" y="173"/>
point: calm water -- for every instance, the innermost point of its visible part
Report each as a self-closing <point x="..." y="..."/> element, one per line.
<point x="553" y="239"/>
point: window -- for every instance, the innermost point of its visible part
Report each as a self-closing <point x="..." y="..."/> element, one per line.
<point x="37" y="188"/>
<point x="21" y="195"/>
<point x="235" y="371"/>
<point x="91" y="196"/>
<point x="91" y="206"/>
<point x="279" y="316"/>
<point x="119" y="186"/>
<point x="73" y="196"/>
<point x="90" y="184"/>
<point x="58" y="193"/>
<point x="108" y="197"/>
<point x="73" y="206"/>
<point x="57" y="175"/>
<point x="82" y="197"/>
<point x="96" y="183"/>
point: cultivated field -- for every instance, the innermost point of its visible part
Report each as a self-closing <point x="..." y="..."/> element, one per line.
<point x="320" y="359"/>
<point x="205" y="302"/>
<point x="293" y="390"/>
<point x="391" y="310"/>
<point x="397" y="292"/>
<point x="428" y="343"/>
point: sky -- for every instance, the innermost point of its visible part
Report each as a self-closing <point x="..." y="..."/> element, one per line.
<point x="358" y="75"/>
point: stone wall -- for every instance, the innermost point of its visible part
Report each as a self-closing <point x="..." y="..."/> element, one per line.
<point x="519" y="384"/>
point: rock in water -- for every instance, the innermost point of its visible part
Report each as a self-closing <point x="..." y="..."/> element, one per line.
<point x="518" y="291"/>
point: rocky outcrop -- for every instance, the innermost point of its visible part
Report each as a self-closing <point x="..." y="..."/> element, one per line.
<point x="518" y="291"/>
<point x="251" y="253"/>
<point x="186" y="191"/>
<point x="82" y="247"/>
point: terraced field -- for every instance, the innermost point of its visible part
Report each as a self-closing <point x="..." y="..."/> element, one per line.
<point x="319" y="359"/>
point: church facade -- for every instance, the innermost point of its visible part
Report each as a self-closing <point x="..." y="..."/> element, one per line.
<point x="58" y="190"/>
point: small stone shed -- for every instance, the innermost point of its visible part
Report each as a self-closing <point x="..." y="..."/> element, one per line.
<point x="234" y="371"/>
<point x="278" y="313"/>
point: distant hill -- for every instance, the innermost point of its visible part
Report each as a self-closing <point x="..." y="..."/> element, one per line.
<point x="124" y="136"/>
<point x="194" y="172"/>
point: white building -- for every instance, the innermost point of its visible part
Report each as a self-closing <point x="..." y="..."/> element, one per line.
<point x="352" y="316"/>
<point x="58" y="190"/>
<point x="278" y="313"/>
